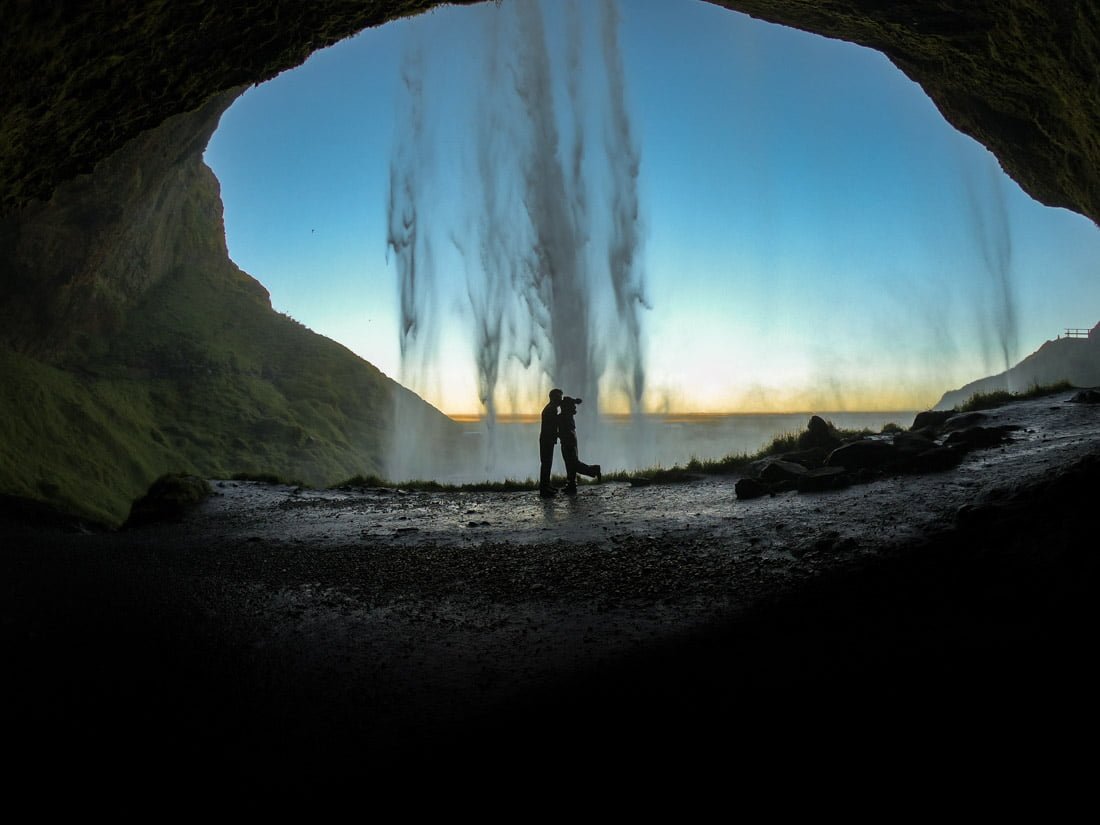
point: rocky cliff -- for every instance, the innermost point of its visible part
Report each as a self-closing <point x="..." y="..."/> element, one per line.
<point x="1076" y="360"/>
<point x="132" y="346"/>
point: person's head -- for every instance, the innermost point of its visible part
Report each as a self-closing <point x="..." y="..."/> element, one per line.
<point x="555" y="396"/>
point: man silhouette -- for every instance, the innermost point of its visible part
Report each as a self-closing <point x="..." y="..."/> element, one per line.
<point x="548" y="437"/>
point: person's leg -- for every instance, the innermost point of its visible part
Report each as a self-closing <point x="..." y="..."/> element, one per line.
<point x="590" y="470"/>
<point x="569" y="453"/>
<point x="546" y="457"/>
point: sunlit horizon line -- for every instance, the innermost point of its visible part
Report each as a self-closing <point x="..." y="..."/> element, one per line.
<point x="672" y="417"/>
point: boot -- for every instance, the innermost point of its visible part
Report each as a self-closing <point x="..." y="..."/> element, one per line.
<point x="547" y="492"/>
<point x="570" y="489"/>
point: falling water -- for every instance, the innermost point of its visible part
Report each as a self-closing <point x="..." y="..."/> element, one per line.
<point x="993" y="236"/>
<point x="410" y="245"/>
<point x="552" y="249"/>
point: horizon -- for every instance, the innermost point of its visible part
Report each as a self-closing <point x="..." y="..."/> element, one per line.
<point x="668" y="417"/>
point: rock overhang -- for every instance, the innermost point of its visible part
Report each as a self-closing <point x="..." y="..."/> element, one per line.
<point x="82" y="80"/>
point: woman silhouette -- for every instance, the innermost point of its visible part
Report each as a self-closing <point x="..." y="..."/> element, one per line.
<point x="567" y="432"/>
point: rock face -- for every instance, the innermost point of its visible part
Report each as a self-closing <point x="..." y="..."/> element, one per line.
<point x="75" y="265"/>
<point x="131" y="346"/>
<point x="1076" y="360"/>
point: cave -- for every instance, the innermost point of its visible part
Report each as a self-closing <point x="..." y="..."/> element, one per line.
<point x="111" y="227"/>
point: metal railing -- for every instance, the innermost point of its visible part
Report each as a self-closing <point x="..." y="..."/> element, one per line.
<point x="1077" y="333"/>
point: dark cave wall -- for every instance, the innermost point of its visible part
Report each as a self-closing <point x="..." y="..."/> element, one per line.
<point x="76" y="263"/>
<point x="78" y="80"/>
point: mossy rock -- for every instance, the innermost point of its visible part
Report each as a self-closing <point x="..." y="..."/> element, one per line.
<point x="168" y="499"/>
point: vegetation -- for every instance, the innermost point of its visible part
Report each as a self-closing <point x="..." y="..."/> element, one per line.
<point x="998" y="398"/>
<point x="200" y="377"/>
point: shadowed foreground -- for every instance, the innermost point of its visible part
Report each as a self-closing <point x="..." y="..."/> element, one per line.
<point x="281" y="635"/>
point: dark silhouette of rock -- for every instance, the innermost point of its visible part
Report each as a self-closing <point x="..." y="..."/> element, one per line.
<point x="931" y="418"/>
<point x="823" y="478"/>
<point x="818" y="434"/>
<point x="777" y="470"/>
<point x="169" y="497"/>
<point x="914" y="442"/>
<point x="1091" y="396"/>
<point x="963" y="420"/>
<point x="810" y="459"/>
<point x="864" y="454"/>
<point x="977" y="438"/>
<point x="749" y="487"/>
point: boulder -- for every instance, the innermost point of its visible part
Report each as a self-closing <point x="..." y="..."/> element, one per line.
<point x="1091" y="396"/>
<point x="811" y="458"/>
<point x="776" y="470"/>
<point x="818" y="434"/>
<point x="931" y="418"/>
<point x="823" y="478"/>
<point x="863" y="454"/>
<point x="961" y="421"/>
<point x="913" y="442"/>
<point x="168" y="499"/>
<point x="977" y="438"/>
<point x="750" y="488"/>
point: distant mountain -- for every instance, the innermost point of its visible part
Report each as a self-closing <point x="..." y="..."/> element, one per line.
<point x="1076" y="360"/>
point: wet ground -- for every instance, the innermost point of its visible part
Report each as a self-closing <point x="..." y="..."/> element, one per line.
<point x="278" y="624"/>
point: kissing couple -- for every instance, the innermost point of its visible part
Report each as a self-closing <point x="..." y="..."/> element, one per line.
<point x="558" y="422"/>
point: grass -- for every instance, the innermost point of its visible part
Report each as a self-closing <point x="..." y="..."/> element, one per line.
<point x="202" y="377"/>
<point x="998" y="398"/>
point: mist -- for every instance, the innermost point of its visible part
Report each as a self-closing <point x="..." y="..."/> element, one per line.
<point x="550" y="238"/>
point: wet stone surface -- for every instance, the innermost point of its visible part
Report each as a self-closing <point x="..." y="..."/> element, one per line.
<point x="396" y="611"/>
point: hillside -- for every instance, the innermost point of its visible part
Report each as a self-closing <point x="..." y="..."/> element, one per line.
<point x="1076" y="360"/>
<point x="189" y="370"/>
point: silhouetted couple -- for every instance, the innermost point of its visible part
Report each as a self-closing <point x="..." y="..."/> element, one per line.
<point x="558" y="422"/>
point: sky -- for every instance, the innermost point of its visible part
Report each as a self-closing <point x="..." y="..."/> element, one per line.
<point x="813" y="234"/>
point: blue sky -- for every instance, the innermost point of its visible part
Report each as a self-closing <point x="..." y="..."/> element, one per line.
<point x="816" y="236"/>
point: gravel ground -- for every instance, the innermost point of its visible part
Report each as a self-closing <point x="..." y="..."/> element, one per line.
<point x="320" y="630"/>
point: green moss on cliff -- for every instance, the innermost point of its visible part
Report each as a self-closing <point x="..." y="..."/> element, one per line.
<point x="83" y="445"/>
<point x="198" y="375"/>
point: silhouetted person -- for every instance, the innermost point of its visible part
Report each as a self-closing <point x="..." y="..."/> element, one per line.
<point x="567" y="432"/>
<point x="548" y="437"/>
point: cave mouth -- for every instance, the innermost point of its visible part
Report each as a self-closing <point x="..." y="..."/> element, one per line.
<point x="804" y="205"/>
<point x="782" y="268"/>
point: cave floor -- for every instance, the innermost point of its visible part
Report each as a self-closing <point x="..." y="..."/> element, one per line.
<point x="277" y="629"/>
